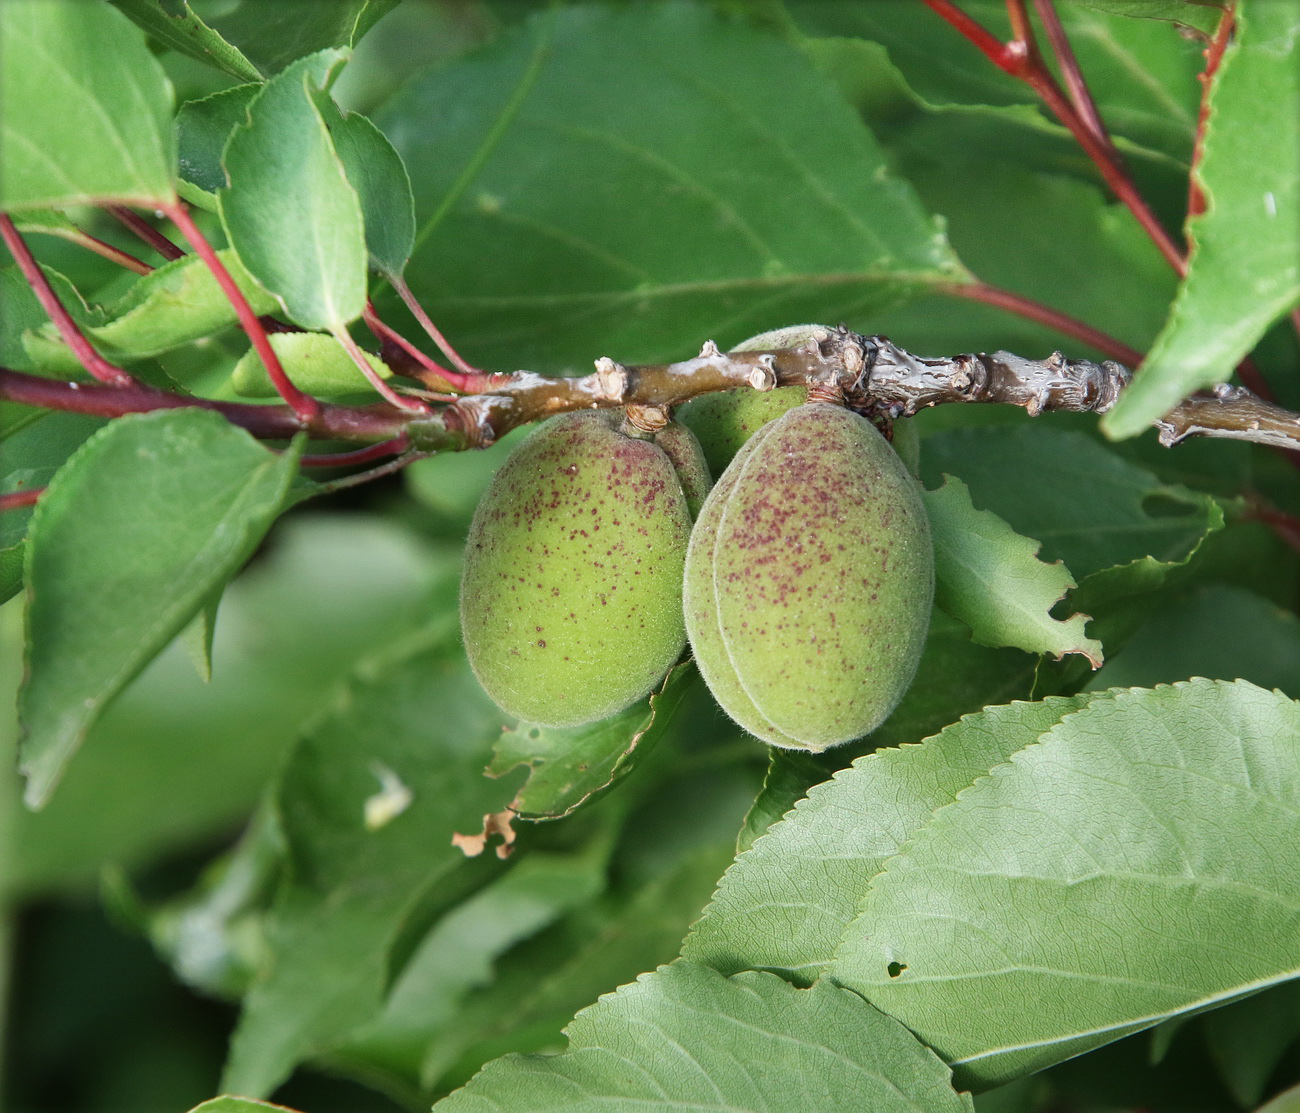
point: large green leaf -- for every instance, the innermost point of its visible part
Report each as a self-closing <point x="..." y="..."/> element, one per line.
<point x="175" y="24"/>
<point x="786" y="902"/>
<point x="724" y="188"/>
<point x="1134" y="865"/>
<point x="416" y="729"/>
<point x="314" y="361"/>
<point x="170" y="504"/>
<point x="1244" y="270"/>
<point x="686" y="1038"/>
<point x="289" y="211"/>
<point x="990" y="577"/>
<point x="85" y="109"/>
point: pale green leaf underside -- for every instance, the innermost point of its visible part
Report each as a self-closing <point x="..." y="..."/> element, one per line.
<point x="1244" y="270"/>
<point x="1136" y="864"/>
<point x="170" y="504"/>
<point x="314" y="361"/>
<point x="686" y="1038"/>
<point x="787" y="901"/>
<point x="172" y="305"/>
<point x="990" y="578"/>
<point x="85" y="109"/>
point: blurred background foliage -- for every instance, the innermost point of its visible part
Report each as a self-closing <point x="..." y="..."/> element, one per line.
<point x="102" y="882"/>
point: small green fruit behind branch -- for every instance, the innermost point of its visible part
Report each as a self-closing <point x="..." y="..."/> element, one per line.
<point x="809" y="580"/>
<point x="571" y="595"/>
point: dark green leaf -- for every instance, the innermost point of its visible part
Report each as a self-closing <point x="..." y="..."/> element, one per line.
<point x="990" y="578"/>
<point x="569" y="766"/>
<point x="172" y="305"/>
<point x="273" y="35"/>
<point x="786" y="902"/>
<point x="1223" y="633"/>
<point x="1202" y="15"/>
<point x="416" y="731"/>
<point x="86" y="109"/>
<point x="203" y="128"/>
<point x="289" y="211"/>
<point x="314" y="361"/>
<point x="594" y="222"/>
<point x="1247" y="1039"/>
<point x="686" y="1038"/>
<point x="1105" y="879"/>
<point x="1244" y="270"/>
<point x="374" y="169"/>
<point x="174" y="24"/>
<point x="171" y="504"/>
<point x="790" y="774"/>
<point x="1089" y="508"/>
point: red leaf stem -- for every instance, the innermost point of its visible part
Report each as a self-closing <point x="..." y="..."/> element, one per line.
<point x="393" y="447"/>
<point x="471" y="380"/>
<point x="1075" y="83"/>
<point x="91" y="360"/>
<point x="419" y="366"/>
<point x="306" y="407"/>
<point x="352" y="423"/>
<point x="1021" y="59"/>
<point x="14" y="500"/>
<point x="1046" y="315"/>
<point x="146" y="231"/>
<point x="349" y="345"/>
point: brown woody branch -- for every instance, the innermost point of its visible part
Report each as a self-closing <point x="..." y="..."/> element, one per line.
<point x="872" y="374"/>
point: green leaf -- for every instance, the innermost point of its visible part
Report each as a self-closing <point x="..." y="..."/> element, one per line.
<point x="595" y="222"/>
<point x="786" y="902"/>
<point x="1104" y="880"/>
<point x="1244" y="269"/>
<point x="171" y="503"/>
<point x="197" y="637"/>
<point x="31" y="455"/>
<point x="273" y="35"/>
<point x="790" y="774"/>
<point x="457" y="957"/>
<point x="175" y="764"/>
<point x="374" y="169"/>
<point x="1089" y="507"/>
<point x="1218" y="632"/>
<point x="227" y="1104"/>
<point x="990" y="578"/>
<point x="1247" y="1039"/>
<point x="314" y="361"/>
<point x="86" y="109"/>
<point x="568" y="767"/>
<point x="175" y="304"/>
<point x="289" y="211"/>
<point x="1286" y="1102"/>
<point x="1201" y="16"/>
<point x="174" y="24"/>
<point x="543" y="983"/>
<point x="686" y="1038"/>
<point x="417" y="727"/>
<point x="203" y="128"/>
<point x="212" y="936"/>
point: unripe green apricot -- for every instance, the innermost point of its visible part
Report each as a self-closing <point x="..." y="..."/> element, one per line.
<point x="682" y="447"/>
<point x="727" y="419"/>
<point x="809" y="580"/>
<point x="571" y="593"/>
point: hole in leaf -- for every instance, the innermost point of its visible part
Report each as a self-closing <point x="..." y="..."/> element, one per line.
<point x="895" y="968"/>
